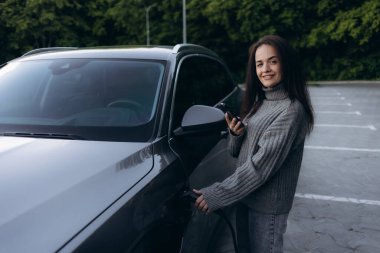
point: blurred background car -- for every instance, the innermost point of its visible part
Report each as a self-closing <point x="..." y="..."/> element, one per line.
<point x="97" y="146"/>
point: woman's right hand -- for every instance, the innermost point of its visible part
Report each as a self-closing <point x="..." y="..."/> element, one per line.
<point x="235" y="126"/>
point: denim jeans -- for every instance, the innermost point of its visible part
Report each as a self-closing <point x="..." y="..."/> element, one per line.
<point x="259" y="232"/>
<point x="256" y="232"/>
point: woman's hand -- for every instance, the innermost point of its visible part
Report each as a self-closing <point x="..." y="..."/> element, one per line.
<point x="235" y="125"/>
<point x="200" y="203"/>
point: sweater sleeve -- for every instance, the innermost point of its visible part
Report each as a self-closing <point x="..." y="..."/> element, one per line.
<point x="234" y="143"/>
<point x="273" y="148"/>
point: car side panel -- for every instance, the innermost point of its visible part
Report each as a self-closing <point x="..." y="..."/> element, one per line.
<point x="149" y="218"/>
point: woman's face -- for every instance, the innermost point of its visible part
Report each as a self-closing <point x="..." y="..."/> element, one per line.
<point x="268" y="66"/>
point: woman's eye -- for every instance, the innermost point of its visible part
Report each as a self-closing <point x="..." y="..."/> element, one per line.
<point x="273" y="62"/>
<point x="259" y="65"/>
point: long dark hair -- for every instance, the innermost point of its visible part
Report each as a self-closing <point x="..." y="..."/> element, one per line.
<point x="293" y="78"/>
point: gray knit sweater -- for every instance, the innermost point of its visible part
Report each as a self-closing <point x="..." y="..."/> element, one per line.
<point x="269" y="157"/>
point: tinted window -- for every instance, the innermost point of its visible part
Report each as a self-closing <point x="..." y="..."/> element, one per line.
<point x="201" y="81"/>
<point x="79" y="93"/>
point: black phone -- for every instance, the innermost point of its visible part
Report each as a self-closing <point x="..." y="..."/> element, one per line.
<point x="231" y="115"/>
<point x="225" y="109"/>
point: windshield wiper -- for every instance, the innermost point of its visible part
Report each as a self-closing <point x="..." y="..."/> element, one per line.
<point x="46" y="135"/>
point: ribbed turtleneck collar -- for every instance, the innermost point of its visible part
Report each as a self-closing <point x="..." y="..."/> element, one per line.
<point x="277" y="92"/>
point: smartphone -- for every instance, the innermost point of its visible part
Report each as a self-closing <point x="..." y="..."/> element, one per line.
<point x="225" y="109"/>
<point x="231" y="115"/>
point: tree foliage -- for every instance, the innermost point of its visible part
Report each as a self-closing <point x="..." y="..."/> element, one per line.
<point x="348" y="38"/>
<point x="336" y="39"/>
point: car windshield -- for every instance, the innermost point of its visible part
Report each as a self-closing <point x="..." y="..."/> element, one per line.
<point x="80" y="97"/>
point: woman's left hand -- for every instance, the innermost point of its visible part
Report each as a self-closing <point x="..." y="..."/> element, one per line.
<point x="200" y="203"/>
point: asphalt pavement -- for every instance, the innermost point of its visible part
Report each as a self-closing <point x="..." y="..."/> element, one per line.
<point x="337" y="203"/>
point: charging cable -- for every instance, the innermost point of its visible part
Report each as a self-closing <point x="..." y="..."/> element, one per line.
<point x="192" y="196"/>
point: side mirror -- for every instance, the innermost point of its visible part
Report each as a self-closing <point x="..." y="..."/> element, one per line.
<point x="200" y="119"/>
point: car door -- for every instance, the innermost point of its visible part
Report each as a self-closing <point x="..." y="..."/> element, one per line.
<point x="203" y="80"/>
<point x="200" y="80"/>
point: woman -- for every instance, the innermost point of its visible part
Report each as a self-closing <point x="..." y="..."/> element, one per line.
<point x="268" y="142"/>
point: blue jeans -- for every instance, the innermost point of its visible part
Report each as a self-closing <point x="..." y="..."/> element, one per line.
<point x="258" y="232"/>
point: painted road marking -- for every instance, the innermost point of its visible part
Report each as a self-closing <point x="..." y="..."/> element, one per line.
<point x="334" y="104"/>
<point x="337" y="112"/>
<point x="338" y="199"/>
<point x="342" y="148"/>
<point x="316" y="98"/>
<point x="371" y="127"/>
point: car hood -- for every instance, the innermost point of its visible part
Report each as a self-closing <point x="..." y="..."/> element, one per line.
<point x="51" y="189"/>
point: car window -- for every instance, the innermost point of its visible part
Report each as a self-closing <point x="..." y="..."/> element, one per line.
<point x="80" y="92"/>
<point x="201" y="81"/>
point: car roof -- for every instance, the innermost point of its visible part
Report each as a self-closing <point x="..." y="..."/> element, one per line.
<point x="116" y="52"/>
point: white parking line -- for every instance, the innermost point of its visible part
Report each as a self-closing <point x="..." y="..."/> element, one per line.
<point x="317" y="98"/>
<point x="334" y="104"/>
<point x="371" y="127"/>
<point x="338" y="199"/>
<point x="342" y="149"/>
<point x="337" y="112"/>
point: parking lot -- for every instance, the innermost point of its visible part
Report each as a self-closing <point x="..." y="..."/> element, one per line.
<point x="337" y="203"/>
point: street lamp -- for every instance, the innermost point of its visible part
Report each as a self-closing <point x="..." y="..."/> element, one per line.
<point x="184" y="21"/>
<point x="147" y="9"/>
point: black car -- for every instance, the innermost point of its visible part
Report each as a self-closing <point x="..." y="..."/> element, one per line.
<point x="98" y="146"/>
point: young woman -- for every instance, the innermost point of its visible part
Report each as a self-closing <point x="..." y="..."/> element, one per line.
<point x="268" y="142"/>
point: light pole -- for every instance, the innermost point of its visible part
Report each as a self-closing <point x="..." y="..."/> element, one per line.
<point x="184" y="21"/>
<point x="147" y="9"/>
